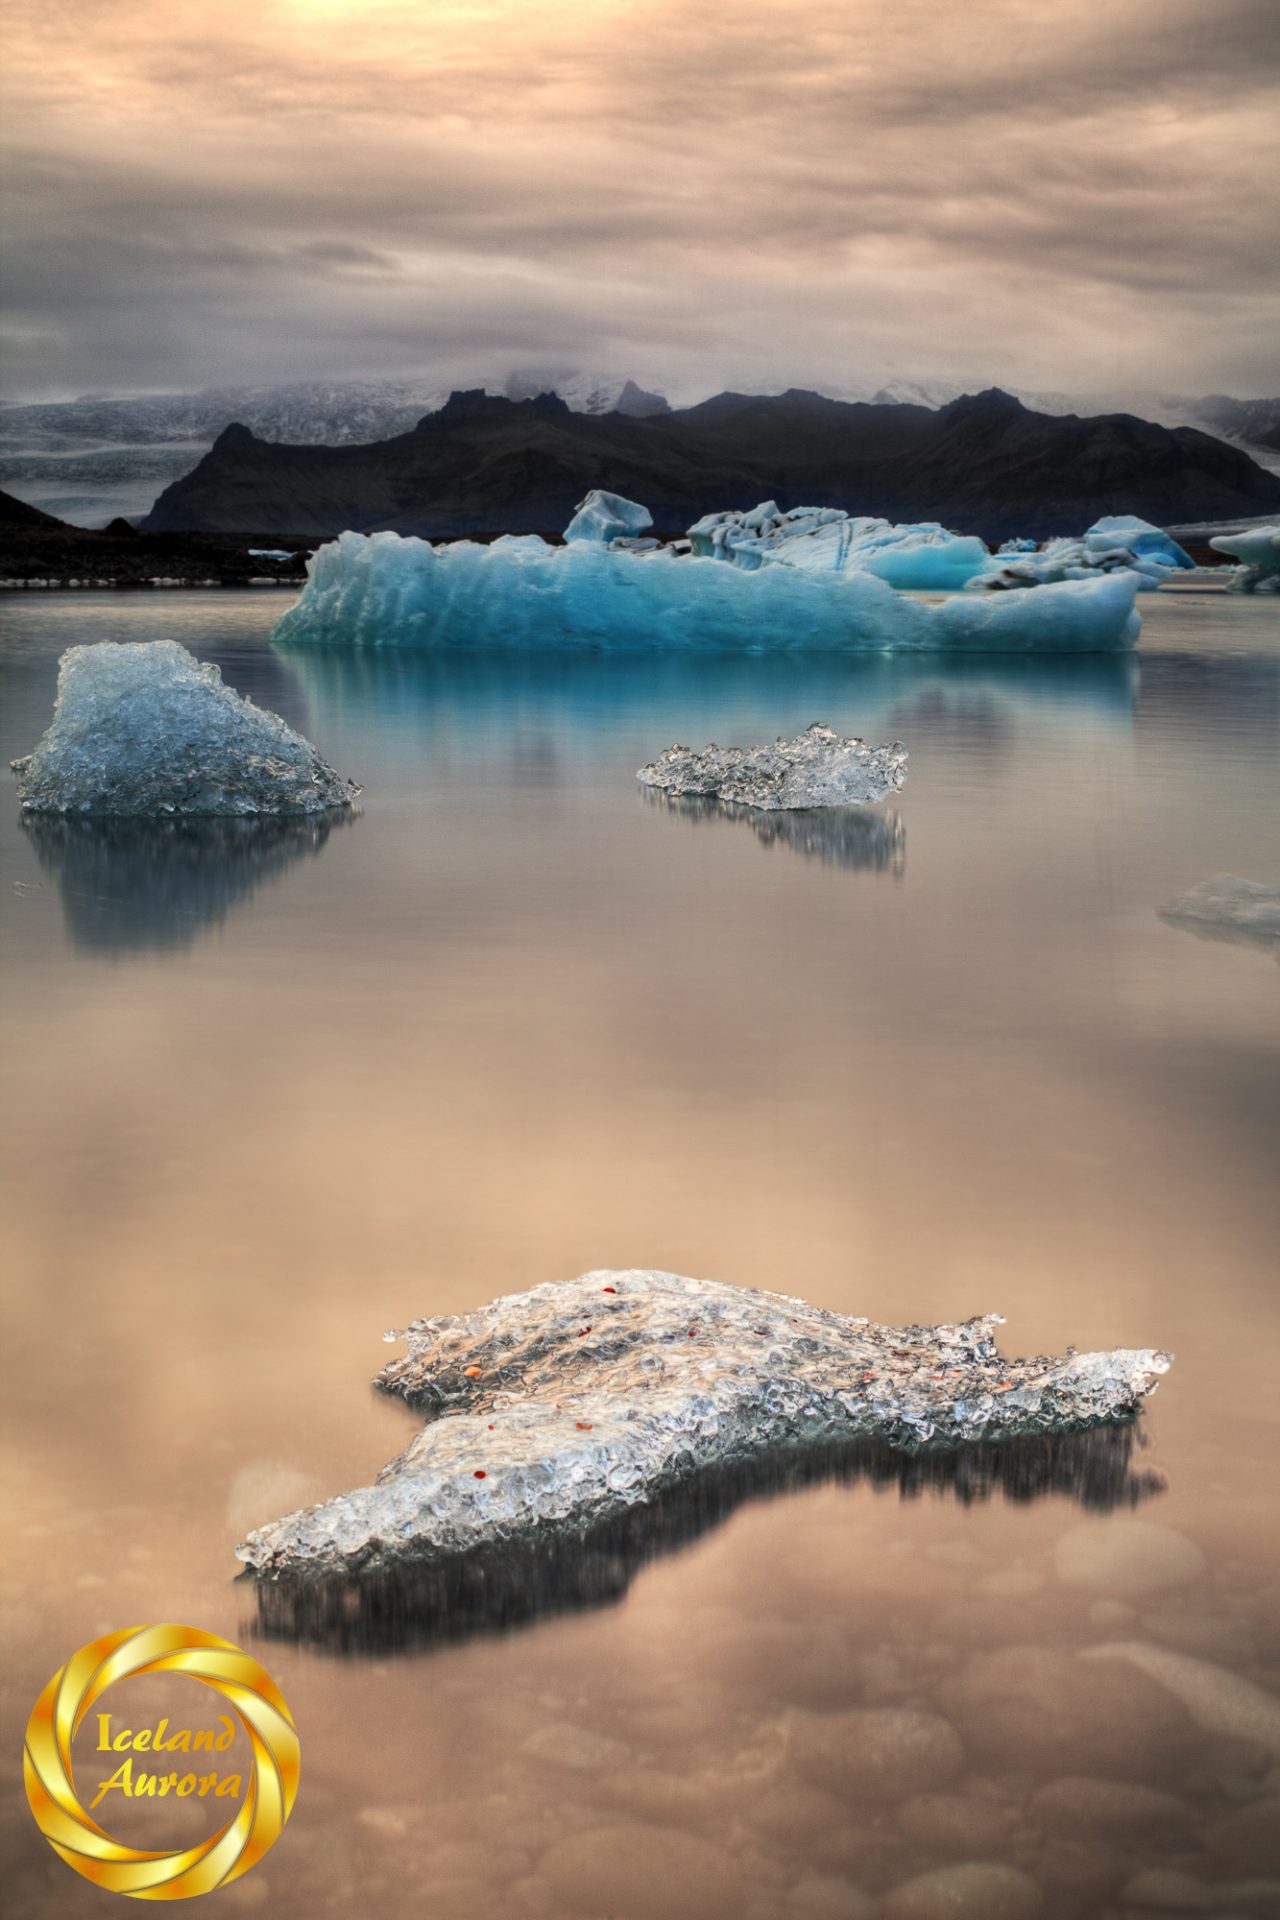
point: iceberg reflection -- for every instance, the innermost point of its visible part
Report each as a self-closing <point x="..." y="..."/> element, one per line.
<point x="499" y="1589"/>
<point x="858" y="838"/>
<point x="154" y="886"/>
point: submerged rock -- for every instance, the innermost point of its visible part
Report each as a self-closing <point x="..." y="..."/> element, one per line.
<point x="566" y="1406"/>
<point x="1229" y="908"/>
<point x="145" y="729"/>
<point x="816" y="769"/>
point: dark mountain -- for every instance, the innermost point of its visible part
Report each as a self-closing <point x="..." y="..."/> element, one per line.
<point x="985" y="464"/>
<point x="16" y="513"/>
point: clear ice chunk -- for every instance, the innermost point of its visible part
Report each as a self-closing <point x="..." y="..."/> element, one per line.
<point x="816" y="769"/>
<point x="1229" y="908"/>
<point x="554" y="1411"/>
<point x="382" y="590"/>
<point x="145" y="729"/>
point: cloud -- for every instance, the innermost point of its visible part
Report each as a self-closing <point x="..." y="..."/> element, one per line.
<point x="1008" y="191"/>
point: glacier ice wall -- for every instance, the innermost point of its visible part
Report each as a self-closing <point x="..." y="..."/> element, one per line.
<point x="381" y="590"/>
<point x="146" y="729"/>
<point x="554" y="1411"/>
<point x="816" y="769"/>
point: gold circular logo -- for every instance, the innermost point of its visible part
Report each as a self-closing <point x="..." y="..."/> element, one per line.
<point x="253" y="1697"/>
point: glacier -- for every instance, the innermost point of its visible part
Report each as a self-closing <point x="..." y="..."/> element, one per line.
<point x="816" y="769"/>
<point x="1258" y="551"/>
<point x="554" y="1411"/>
<point x="146" y="729"/>
<point x="520" y="593"/>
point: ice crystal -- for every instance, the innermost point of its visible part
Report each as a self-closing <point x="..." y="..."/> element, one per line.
<point x="816" y="769"/>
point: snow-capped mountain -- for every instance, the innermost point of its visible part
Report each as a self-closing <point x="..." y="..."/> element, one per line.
<point x="87" y="460"/>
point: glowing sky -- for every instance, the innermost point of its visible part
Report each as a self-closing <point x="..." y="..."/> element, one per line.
<point x="1055" y="193"/>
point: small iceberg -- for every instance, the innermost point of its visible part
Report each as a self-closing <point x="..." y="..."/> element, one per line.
<point x="521" y="594"/>
<point x="554" y="1412"/>
<point x="1258" y="551"/>
<point x="1118" y="543"/>
<point x="816" y="769"/>
<point x="145" y="729"/>
<point x="609" y="520"/>
<point x="1229" y="908"/>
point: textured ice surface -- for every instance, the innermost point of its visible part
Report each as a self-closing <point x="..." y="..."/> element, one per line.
<point x="1229" y="908"/>
<point x="1259" y="552"/>
<point x="604" y="517"/>
<point x="816" y="769"/>
<point x="555" y="1410"/>
<point x="919" y="555"/>
<point x="145" y="729"/>
<point x="379" y="590"/>
<point x="1118" y="543"/>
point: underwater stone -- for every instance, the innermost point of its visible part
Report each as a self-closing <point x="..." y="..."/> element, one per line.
<point x="145" y="729"/>
<point x="816" y="769"/>
<point x="558" y="1409"/>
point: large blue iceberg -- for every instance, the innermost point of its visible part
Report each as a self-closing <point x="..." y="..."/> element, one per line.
<point x="520" y="593"/>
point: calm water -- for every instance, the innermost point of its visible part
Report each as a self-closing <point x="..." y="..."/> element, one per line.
<point x="269" y="1095"/>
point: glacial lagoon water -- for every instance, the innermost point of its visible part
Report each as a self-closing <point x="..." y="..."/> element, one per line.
<point x="271" y="1092"/>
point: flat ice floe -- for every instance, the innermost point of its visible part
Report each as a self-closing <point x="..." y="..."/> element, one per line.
<point x="816" y="769"/>
<point x="145" y="729"/>
<point x="382" y="590"/>
<point x="1229" y="908"/>
<point x="557" y="1410"/>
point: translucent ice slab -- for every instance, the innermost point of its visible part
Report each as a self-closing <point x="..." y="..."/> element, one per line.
<point x="379" y="590"/>
<point x="146" y="730"/>
<point x="816" y="769"/>
<point x="1229" y="908"/>
<point x="555" y="1411"/>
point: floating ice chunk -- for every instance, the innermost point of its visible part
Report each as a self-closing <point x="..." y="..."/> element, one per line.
<point x="816" y="769"/>
<point x="1118" y="543"/>
<point x="556" y="1410"/>
<point x="270" y="553"/>
<point x="1259" y="551"/>
<point x="1229" y="908"/>
<point x="603" y="517"/>
<point x="379" y="590"/>
<point x="1127" y="532"/>
<point x="919" y="555"/>
<point x="145" y="729"/>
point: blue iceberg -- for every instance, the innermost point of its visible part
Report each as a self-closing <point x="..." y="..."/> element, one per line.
<point x="521" y="594"/>
<point x="918" y="556"/>
<point x="1258" y="550"/>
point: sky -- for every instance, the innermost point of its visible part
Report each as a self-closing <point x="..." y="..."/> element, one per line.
<point x="1056" y="194"/>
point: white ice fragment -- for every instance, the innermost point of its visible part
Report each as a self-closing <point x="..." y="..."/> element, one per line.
<point x="381" y="590"/>
<point x="603" y="517"/>
<point x="558" y="1409"/>
<point x="1229" y="908"/>
<point x="146" y="729"/>
<point x="816" y="769"/>
<point x="1258" y="550"/>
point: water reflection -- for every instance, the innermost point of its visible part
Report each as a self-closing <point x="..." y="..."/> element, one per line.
<point x="449" y="698"/>
<point x="855" y="837"/>
<point x="509" y="1587"/>
<point x="154" y="886"/>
